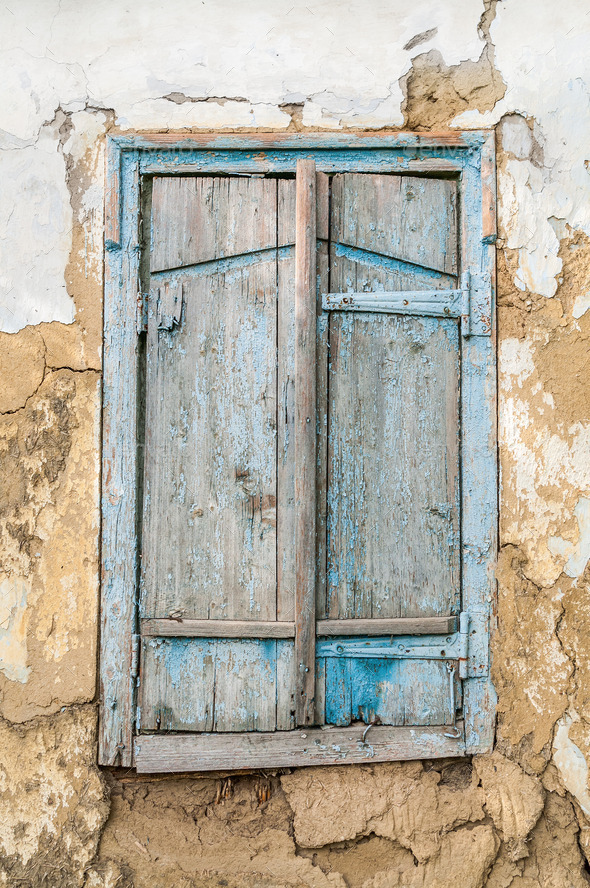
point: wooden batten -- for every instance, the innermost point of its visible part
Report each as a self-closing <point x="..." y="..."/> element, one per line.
<point x="156" y="753"/>
<point x="270" y="629"/>
<point x="305" y="438"/>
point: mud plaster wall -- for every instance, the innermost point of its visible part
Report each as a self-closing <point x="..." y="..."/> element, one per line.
<point x="73" y="71"/>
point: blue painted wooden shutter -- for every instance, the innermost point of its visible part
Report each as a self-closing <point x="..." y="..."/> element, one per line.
<point x="391" y="413"/>
<point x="217" y="529"/>
<point x="217" y="453"/>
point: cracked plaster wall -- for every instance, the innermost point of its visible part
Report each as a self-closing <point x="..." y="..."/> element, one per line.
<point x="75" y="71"/>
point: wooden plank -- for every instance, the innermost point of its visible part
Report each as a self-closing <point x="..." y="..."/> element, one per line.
<point x="257" y="629"/>
<point x="398" y="692"/>
<point x="338" y="692"/>
<point x="286" y="512"/>
<point x="406" y="217"/>
<point x="349" y="140"/>
<point x="202" y="218"/>
<point x="399" y="626"/>
<point x="393" y="494"/>
<point x="119" y="461"/>
<point x="210" y="465"/>
<point x="160" y="753"/>
<point x="217" y="628"/>
<point x="479" y="462"/>
<point x="305" y="438"/>
<point x="213" y="684"/>
<point x="113" y="196"/>
<point x="322" y="325"/>
<point x="285" y="720"/>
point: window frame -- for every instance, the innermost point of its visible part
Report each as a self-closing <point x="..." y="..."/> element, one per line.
<point x="467" y="155"/>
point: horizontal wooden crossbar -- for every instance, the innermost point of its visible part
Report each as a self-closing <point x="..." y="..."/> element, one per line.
<point x="156" y="753"/>
<point x="268" y="629"/>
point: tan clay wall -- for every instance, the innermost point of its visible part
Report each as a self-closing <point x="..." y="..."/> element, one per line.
<point x="72" y="72"/>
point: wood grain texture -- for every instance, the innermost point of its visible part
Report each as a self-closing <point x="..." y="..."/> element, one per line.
<point x="119" y="462"/>
<point x="393" y="485"/>
<point x="217" y="629"/>
<point x="322" y="327"/>
<point x="215" y="684"/>
<point x="158" y="753"/>
<point x="404" y="217"/>
<point x="209" y="537"/>
<point x="479" y="461"/>
<point x="271" y="629"/>
<point x="393" y="692"/>
<point x="305" y="438"/>
<point x="399" y="626"/>
<point x="201" y="218"/>
<point x="286" y="511"/>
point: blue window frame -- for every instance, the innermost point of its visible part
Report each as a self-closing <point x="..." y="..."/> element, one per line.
<point x="468" y="159"/>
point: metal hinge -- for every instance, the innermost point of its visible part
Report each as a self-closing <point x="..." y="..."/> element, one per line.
<point x="463" y="643"/>
<point x="476" y="317"/>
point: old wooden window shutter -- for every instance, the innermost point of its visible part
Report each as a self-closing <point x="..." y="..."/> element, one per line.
<point x="315" y="497"/>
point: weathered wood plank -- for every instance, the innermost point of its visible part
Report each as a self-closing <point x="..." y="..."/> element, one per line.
<point x="159" y="753"/>
<point x="399" y="626"/>
<point x="215" y="684"/>
<point x="257" y="629"/>
<point x="214" y="142"/>
<point x="399" y="692"/>
<point x="393" y="494"/>
<point x="479" y="459"/>
<point x="119" y="492"/>
<point x="209" y="535"/>
<point x="322" y="322"/>
<point x="405" y="217"/>
<point x="305" y="438"/>
<point x="217" y="628"/>
<point x="286" y="512"/>
<point x="203" y="218"/>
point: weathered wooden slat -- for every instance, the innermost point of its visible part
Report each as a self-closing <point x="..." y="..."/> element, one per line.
<point x="119" y="471"/>
<point x="328" y="161"/>
<point x="191" y="684"/>
<point x="286" y="513"/>
<point x="431" y="303"/>
<point x="381" y="272"/>
<point x="323" y="277"/>
<point x="393" y="494"/>
<point x="214" y="142"/>
<point x="479" y="459"/>
<point x="405" y="217"/>
<point x="217" y="628"/>
<point x="305" y="438"/>
<point x="209" y="533"/>
<point x="257" y="629"/>
<point x="399" y="626"/>
<point x="113" y="197"/>
<point x="214" y="218"/>
<point x="315" y="746"/>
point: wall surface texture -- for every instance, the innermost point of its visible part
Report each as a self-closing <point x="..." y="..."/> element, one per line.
<point x="74" y="70"/>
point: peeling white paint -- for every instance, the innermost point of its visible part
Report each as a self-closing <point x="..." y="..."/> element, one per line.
<point x="35" y="235"/>
<point x="577" y="553"/>
<point x="546" y="67"/>
<point x="571" y="763"/>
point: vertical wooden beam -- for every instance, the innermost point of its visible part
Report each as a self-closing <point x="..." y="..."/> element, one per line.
<point x="305" y="438"/>
<point x="119" y="470"/>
